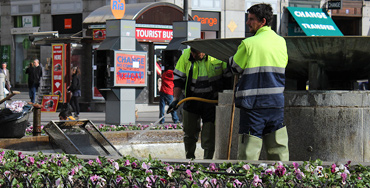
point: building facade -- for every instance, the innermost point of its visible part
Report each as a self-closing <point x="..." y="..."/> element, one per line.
<point x="23" y="22"/>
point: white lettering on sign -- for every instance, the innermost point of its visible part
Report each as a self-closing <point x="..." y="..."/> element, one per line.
<point x="306" y="14"/>
<point x="57" y="57"/>
<point x="318" y="26"/>
<point x="158" y="34"/>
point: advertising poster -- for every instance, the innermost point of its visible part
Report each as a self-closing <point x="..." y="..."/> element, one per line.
<point x="58" y="71"/>
<point x="49" y="103"/>
<point x="130" y="68"/>
<point x="99" y="34"/>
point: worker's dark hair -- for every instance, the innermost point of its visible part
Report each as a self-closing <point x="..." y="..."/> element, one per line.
<point x="192" y="49"/>
<point x="65" y="113"/>
<point x="262" y="11"/>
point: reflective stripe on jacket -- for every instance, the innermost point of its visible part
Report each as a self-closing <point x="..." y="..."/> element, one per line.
<point x="207" y="75"/>
<point x="262" y="60"/>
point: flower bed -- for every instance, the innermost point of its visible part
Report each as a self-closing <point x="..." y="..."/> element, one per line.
<point x="130" y="127"/>
<point x="61" y="170"/>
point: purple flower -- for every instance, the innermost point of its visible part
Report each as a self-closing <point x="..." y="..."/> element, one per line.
<point x="296" y="165"/>
<point x="169" y="170"/>
<point x="134" y="165"/>
<point x="59" y="163"/>
<point x="280" y="170"/>
<point x="299" y="175"/>
<point x="90" y="162"/>
<point x="119" y="179"/>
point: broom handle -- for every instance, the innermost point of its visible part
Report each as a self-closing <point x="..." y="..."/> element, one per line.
<point x="9" y="96"/>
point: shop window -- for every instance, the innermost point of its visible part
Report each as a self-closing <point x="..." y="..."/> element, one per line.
<point x="206" y="4"/>
<point x="19" y="21"/>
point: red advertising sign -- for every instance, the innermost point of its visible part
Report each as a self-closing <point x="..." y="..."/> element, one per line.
<point x="130" y="68"/>
<point x="154" y="34"/>
<point x="68" y="23"/>
<point x="99" y="34"/>
<point x="49" y="103"/>
<point x="58" y="71"/>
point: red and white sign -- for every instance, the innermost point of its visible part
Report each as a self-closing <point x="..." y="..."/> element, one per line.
<point x="49" y="103"/>
<point x="130" y="68"/>
<point x="99" y="34"/>
<point x="68" y="23"/>
<point x="58" y="71"/>
<point x="154" y="34"/>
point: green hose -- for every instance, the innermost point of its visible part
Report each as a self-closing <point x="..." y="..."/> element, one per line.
<point x="196" y="99"/>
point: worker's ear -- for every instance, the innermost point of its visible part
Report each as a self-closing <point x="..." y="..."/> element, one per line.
<point x="263" y="21"/>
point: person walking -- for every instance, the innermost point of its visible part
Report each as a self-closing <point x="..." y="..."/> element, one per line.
<point x="7" y="76"/>
<point x="261" y="59"/>
<point x="166" y="94"/>
<point x="75" y="88"/>
<point x="201" y="76"/>
<point x="34" y="72"/>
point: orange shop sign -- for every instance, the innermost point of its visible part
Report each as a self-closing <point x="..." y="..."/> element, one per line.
<point x="118" y="8"/>
<point x="208" y="20"/>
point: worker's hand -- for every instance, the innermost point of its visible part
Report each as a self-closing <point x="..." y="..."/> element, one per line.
<point x="172" y="106"/>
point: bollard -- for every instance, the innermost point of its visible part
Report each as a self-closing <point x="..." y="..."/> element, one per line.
<point x="36" y="120"/>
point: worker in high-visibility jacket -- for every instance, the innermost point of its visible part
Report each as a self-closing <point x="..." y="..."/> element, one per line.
<point x="201" y="76"/>
<point x="261" y="61"/>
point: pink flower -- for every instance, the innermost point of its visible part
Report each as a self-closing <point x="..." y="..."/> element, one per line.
<point x="188" y="172"/>
<point x="256" y="180"/>
<point x="90" y="162"/>
<point x="94" y="178"/>
<point x="115" y="165"/>
<point x="344" y="177"/>
<point x="98" y="161"/>
<point x="237" y="183"/>
<point x="32" y="160"/>
<point x="333" y="168"/>
<point x="145" y="166"/>
<point x="127" y="163"/>
<point x="246" y="167"/>
<point x="212" y="167"/>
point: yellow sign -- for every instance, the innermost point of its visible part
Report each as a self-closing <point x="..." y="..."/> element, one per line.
<point x="118" y="8"/>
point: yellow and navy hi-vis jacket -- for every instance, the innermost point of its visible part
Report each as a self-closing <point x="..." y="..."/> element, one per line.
<point x="209" y="75"/>
<point x="262" y="60"/>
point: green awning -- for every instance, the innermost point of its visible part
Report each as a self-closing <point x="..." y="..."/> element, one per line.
<point x="314" y="21"/>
